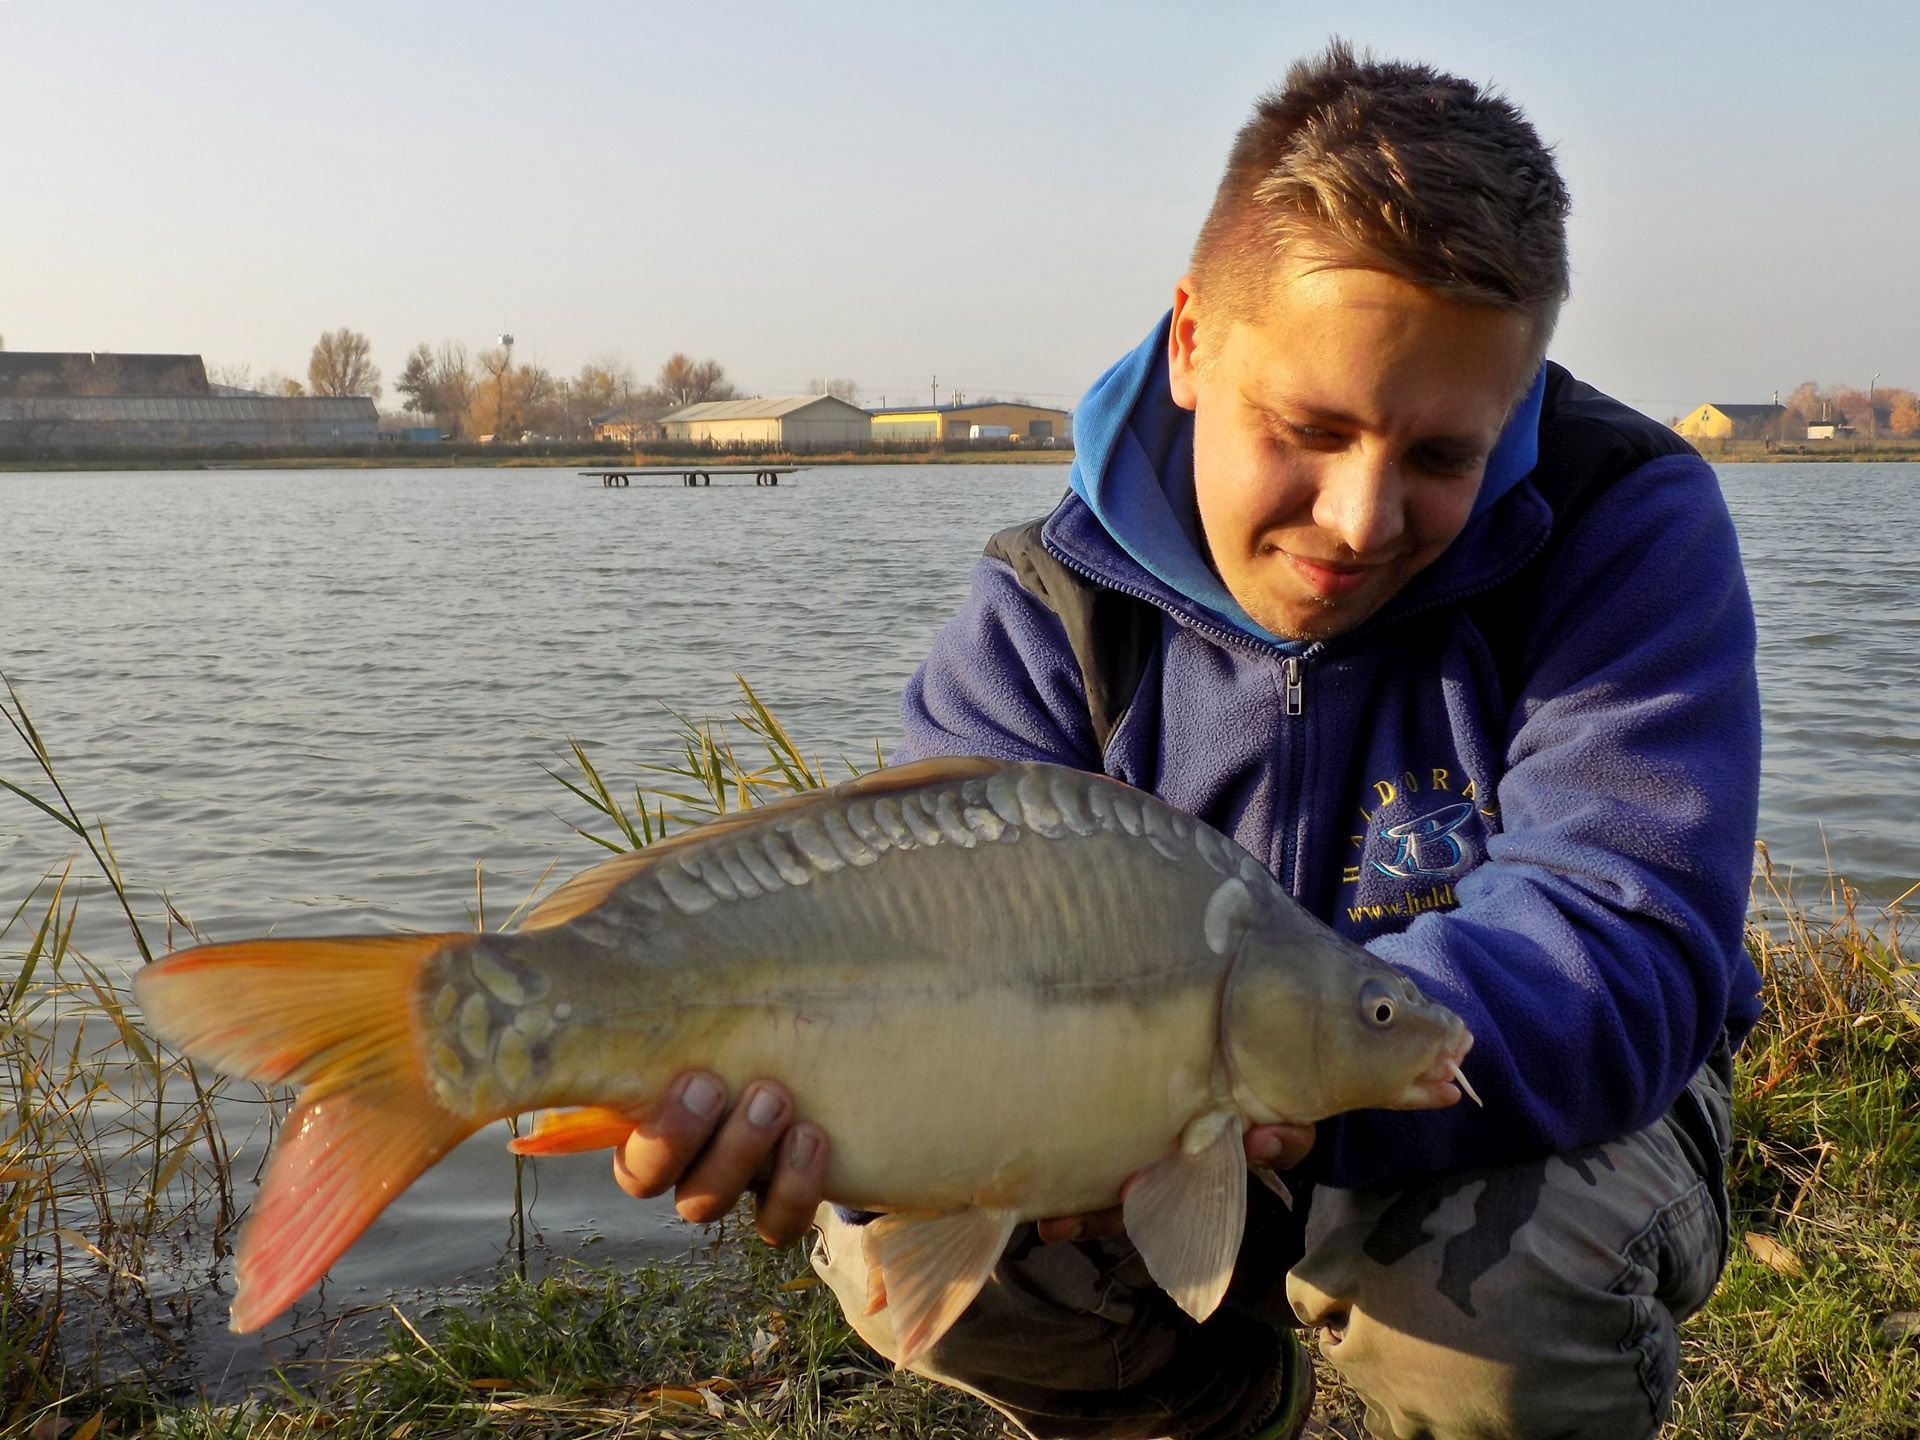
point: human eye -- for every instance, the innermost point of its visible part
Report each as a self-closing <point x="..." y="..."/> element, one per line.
<point x="1447" y="461"/>
<point x="1314" y="437"/>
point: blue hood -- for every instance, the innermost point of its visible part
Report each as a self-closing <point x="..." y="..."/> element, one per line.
<point x="1133" y="466"/>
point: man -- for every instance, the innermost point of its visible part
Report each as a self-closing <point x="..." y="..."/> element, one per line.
<point x="1462" y="650"/>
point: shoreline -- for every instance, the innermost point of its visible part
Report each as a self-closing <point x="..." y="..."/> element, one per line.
<point x="532" y="462"/>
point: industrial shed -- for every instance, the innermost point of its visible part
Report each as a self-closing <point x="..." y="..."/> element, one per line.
<point x="793" y="422"/>
<point x="1026" y="424"/>
<point x="1724" y="421"/>
<point x="103" y="422"/>
<point x="31" y="374"/>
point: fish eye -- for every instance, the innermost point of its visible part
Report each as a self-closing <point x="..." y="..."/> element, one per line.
<point x="1377" y="1004"/>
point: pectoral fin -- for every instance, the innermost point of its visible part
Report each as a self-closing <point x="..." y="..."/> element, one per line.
<point x="1186" y="1214"/>
<point x="931" y="1268"/>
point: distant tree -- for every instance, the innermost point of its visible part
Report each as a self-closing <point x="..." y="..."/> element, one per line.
<point x="1903" y="418"/>
<point x="513" y="400"/>
<point x="341" y="364"/>
<point x="231" y="377"/>
<point x="278" y="382"/>
<point x="415" y="384"/>
<point x="453" y="387"/>
<point x="685" y="381"/>
<point x="846" y="390"/>
<point x="604" y="386"/>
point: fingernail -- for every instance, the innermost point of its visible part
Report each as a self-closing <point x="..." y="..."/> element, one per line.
<point x="701" y="1096"/>
<point x="800" y="1148"/>
<point x="764" y="1108"/>
<point x="1069" y="1231"/>
<point x="1265" y="1150"/>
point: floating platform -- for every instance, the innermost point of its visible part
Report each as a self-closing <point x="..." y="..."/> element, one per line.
<point x="621" y="478"/>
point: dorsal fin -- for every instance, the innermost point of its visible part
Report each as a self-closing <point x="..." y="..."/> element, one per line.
<point x="590" y="887"/>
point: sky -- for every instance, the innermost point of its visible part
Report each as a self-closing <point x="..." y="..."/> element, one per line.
<point x="994" y="197"/>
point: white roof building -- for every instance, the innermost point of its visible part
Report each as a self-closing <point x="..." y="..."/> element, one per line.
<point x="792" y="422"/>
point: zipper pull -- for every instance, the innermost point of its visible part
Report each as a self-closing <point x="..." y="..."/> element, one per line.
<point x="1292" y="671"/>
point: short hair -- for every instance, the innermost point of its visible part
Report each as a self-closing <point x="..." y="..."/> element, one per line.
<point x="1393" y="167"/>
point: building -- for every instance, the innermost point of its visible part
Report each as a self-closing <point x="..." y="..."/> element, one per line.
<point x="792" y="422"/>
<point x="31" y="374"/>
<point x="626" y="430"/>
<point x="1736" y="422"/>
<point x="1026" y="424"/>
<point x="92" y="400"/>
<point x="158" y="422"/>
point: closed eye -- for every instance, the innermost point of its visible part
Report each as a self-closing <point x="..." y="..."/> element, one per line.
<point x="1443" y="460"/>
<point x="1313" y="436"/>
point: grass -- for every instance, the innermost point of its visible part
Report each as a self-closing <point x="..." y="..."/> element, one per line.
<point x="114" y="1175"/>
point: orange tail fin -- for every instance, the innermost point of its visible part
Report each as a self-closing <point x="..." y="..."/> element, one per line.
<point x="336" y="1018"/>
<point x="566" y="1132"/>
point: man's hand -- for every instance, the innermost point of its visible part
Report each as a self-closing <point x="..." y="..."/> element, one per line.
<point x="710" y="1154"/>
<point x="1271" y="1147"/>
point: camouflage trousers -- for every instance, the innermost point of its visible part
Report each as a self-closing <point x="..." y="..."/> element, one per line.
<point x="1531" y="1300"/>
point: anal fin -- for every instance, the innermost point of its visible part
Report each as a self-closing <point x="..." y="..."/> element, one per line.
<point x="931" y="1268"/>
<point x="1187" y="1213"/>
<point x="567" y="1132"/>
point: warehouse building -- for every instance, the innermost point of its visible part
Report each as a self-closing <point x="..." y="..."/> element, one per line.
<point x="1725" y="421"/>
<point x="93" y="400"/>
<point x="989" y="420"/>
<point x="30" y="374"/>
<point x="792" y="422"/>
<point x="148" y="422"/>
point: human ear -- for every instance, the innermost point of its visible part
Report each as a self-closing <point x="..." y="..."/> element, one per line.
<point x="1183" y="366"/>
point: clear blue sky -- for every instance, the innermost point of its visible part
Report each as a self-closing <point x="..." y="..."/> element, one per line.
<point x="999" y="194"/>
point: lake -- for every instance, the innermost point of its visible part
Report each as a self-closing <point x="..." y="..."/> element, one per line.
<point x="315" y="700"/>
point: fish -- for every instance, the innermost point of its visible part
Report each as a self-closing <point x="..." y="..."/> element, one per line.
<point x="1005" y="991"/>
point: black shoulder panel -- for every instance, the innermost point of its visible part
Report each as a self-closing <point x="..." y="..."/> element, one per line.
<point x="1587" y="437"/>
<point x="1112" y="634"/>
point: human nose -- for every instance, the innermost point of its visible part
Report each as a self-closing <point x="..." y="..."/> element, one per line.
<point x="1360" y="502"/>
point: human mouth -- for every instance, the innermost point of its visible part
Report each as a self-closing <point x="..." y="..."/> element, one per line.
<point x="1330" y="579"/>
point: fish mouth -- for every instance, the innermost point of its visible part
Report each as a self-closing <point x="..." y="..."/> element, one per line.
<point x="1443" y="1082"/>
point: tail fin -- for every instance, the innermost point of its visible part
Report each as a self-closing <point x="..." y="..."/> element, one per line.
<point x="336" y="1018"/>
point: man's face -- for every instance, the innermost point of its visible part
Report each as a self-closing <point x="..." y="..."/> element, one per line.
<point x="1339" y="439"/>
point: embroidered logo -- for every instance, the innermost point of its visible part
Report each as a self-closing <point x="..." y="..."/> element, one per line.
<point x="1423" y="832"/>
<point x="1425" y="845"/>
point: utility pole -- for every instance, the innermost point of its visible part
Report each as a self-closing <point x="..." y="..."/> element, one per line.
<point x="936" y="392"/>
<point x="1873" y="423"/>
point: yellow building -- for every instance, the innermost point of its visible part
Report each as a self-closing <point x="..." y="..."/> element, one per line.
<point x="1023" y="424"/>
<point x="1733" y="422"/>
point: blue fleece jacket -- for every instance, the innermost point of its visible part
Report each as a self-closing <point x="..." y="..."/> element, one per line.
<point x="1565" y="865"/>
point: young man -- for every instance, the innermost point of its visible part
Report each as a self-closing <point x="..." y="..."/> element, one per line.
<point x="1462" y="650"/>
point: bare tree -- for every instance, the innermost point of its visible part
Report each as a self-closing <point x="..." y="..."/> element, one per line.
<point x="231" y="377"/>
<point x="604" y="386"/>
<point x="847" y="390"/>
<point x="513" y="400"/>
<point x="685" y="381"/>
<point x="342" y="365"/>
<point x="453" y="386"/>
